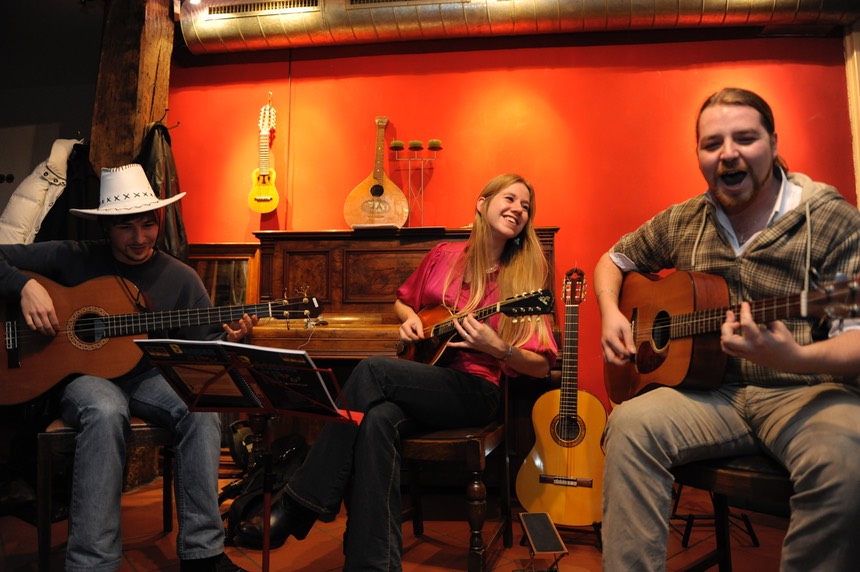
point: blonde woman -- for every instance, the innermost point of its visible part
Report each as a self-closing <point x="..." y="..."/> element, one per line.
<point x="501" y="258"/>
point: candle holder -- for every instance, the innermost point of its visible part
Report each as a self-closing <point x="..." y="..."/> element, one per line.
<point x="414" y="152"/>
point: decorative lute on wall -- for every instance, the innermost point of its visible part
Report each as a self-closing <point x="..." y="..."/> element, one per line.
<point x="263" y="197"/>
<point x="377" y="201"/>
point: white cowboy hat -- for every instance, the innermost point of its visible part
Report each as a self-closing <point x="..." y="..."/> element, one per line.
<point x="123" y="191"/>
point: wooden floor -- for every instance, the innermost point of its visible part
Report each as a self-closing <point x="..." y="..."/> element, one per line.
<point x="443" y="547"/>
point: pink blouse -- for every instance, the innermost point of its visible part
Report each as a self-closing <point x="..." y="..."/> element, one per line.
<point x="424" y="288"/>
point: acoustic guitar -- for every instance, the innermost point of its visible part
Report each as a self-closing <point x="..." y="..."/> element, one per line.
<point x="263" y="197"/>
<point x="376" y="200"/>
<point x="439" y="323"/>
<point x="563" y="473"/>
<point x="676" y="324"/>
<point x="99" y="322"/>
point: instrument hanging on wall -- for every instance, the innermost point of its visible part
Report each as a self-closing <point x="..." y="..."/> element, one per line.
<point x="377" y="201"/>
<point x="263" y="197"/>
<point x="563" y="473"/>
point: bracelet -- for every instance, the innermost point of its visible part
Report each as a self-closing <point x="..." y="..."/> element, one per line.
<point x="604" y="291"/>
<point x="509" y="354"/>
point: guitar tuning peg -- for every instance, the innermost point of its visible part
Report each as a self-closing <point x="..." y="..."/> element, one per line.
<point x="813" y="278"/>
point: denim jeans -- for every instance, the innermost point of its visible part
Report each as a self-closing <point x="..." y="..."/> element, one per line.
<point x="100" y="410"/>
<point x="363" y="463"/>
<point x="813" y="430"/>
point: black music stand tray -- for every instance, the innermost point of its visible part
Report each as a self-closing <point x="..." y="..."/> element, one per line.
<point x="225" y="377"/>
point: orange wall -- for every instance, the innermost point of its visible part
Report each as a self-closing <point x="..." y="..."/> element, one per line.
<point x="605" y="132"/>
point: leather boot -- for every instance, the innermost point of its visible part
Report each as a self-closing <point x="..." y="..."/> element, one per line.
<point x="288" y="518"/>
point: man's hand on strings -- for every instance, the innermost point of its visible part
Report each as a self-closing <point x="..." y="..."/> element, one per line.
<point x="37" y="307"/>
<point x="236" y="332"/>
<point x="770" y="346"/>
<point x="617" y="338"/>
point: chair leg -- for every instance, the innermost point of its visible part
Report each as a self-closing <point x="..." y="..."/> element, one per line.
<point x="417" y="504"/>
<point x="476" y="496"/>
<point x="506" y="504"/>
<point x="167" y="488"/>
<point x="44" y="497"/>
<point x="723" y="534"/>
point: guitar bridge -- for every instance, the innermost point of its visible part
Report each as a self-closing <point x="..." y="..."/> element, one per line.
<point x="566" y="481"/>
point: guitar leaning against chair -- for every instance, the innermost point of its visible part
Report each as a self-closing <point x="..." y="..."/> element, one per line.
<point x="100" y="319"/>
<point x="676" y="323"/>
<point x="563" y="473"/>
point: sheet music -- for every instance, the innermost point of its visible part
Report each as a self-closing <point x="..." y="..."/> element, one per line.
<point x="223" y="376"/>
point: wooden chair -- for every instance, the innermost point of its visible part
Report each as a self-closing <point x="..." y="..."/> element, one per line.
<point x="467" y="447"/>
<point x="59" y="439"/>
<point x="754" y="482"/>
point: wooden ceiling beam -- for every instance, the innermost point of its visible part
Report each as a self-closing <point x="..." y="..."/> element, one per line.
<point x="133" y="78"/>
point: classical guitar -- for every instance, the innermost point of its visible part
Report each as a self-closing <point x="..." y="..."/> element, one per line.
<point x="263" y="197"/>
<point x="99" y="322"/>
<point x="439" y="323"/>
<point x="377" y="200"/>
<point x="563" y="473"/>
<point x="676" y="327"/>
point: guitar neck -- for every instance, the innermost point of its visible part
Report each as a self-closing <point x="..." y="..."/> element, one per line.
<point x="264" y="153"/>
<point x="763" y="311"/>
<point x="378" y="167"/>
<point x="569" y="362"/>
<point x="143" y="322"/>
<point x="447" y="326"/>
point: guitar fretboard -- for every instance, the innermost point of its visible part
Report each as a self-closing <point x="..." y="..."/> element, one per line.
<point x="264" y="153"/>
<point x="567" y="407"/>
<point x="764" y="311"/>
<point x="379" y="168"/>
<point x="143" y="322"/>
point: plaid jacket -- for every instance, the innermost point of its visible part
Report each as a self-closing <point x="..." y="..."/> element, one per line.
<point x="687" y="236"/>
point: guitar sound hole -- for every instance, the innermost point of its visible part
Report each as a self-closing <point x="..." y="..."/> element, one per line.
<point x="376" y="190"/>
<point x="90" y="328"/>
<point x="567" y="431"/>
<point x="660" y="333"/>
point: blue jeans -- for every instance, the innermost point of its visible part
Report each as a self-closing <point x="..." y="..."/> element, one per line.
<point x="100" y="410"/>
<point x="814" y="431"/>
<point x="363" y="463"/>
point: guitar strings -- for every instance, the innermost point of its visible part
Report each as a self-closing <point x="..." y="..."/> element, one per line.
<point x="710" y="321"/>
<point x="118" y="324"/>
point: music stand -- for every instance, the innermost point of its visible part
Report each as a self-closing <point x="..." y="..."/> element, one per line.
<point x="223" y="377"/>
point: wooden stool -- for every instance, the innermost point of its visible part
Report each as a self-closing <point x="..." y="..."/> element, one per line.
<point x="754" y="482"/>
<point x="59" y="439"/>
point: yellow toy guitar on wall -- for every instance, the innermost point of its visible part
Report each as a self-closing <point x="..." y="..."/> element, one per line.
<point x="263" y="197"/>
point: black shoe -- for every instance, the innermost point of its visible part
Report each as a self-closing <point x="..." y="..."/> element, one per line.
<point x="220" y="563"/>
<point x="287" y="518"/>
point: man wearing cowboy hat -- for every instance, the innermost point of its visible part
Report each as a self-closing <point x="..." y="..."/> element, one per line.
<point x="99" y="408"/>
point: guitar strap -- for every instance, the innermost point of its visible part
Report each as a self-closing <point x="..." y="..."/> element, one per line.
<point x="132" y="295"/>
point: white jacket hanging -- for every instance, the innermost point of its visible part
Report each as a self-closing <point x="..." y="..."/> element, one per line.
<point x="34" y="197"/>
